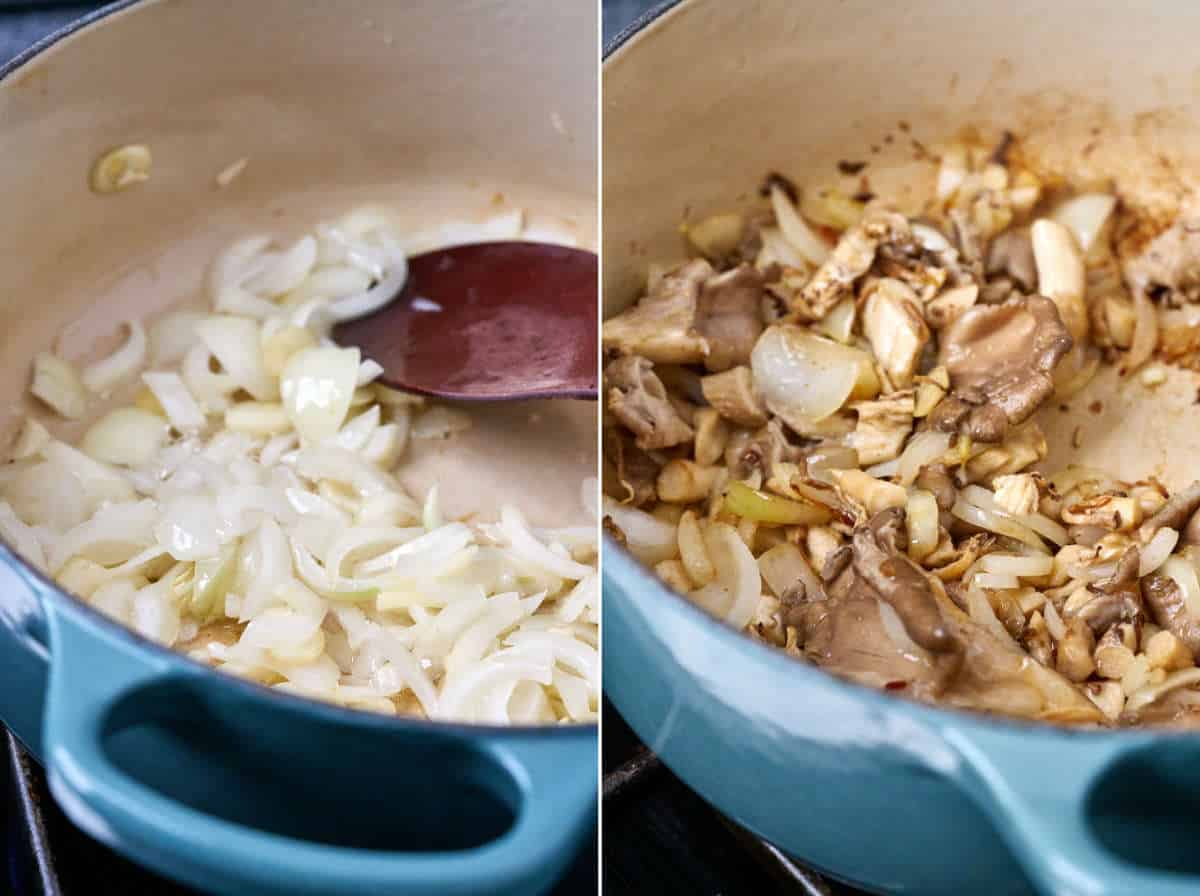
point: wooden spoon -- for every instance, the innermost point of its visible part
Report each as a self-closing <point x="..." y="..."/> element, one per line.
<point x="489" y="321"/>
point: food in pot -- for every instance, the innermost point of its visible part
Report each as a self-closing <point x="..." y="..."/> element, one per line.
<point x="234" y="494"/>
<point x="824" y="429"/>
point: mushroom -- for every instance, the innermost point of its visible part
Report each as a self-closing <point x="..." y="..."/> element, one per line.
<point x="1011" y="255"/>
<point x="729" y="316"/>
<point x="1000" y="359"/>
<point x="1061" y="275"/>
<point x="853" y="257"/>
<point x="1178" y="511"/>
<point x="894" y="325"/>
<point x="1017" y="493"/>
<point x="637" y="398"/>
<point x="734" y="397"/>
<point x="883" y="426"/>
<point x="1169" y="265"/>
<point x="1169" y="609"/>
<point x="661" y="326"/>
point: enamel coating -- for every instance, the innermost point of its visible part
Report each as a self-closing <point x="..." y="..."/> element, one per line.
<point x="883" y="793"/>
<point x="215" y="781"/>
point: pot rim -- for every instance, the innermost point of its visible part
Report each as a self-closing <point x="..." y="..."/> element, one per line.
<point x="630" y="573"/>
<point x="47" y="587"/>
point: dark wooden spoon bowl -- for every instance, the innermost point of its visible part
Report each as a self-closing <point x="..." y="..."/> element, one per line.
<point x="489" y="322"/>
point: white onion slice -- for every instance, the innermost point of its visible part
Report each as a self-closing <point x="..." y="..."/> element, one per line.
<point x="796" y="230"/>
<point x="106" y="374"/>
<point x="127" y="437"/>
<point x="235" y="343"/>
<point x="176" y="401"/>
<point x="1157" y="550"/>
<point x="802" y="375"/>
<point x="317" y="386"/>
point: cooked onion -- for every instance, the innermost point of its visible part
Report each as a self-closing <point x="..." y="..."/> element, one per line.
<point x="795" y="230"/>
<point x="105" y="375"/>
<point x="1157" y="550"/>
<point x="1019" y="565"/>
<point x="996" y="522"/>
<point x="57" y="383"/>
<point x="1183" y="574"/>
<point x="1085" y="216"/>
<point x="922" y="449"/>
<point x="212" y="502"/>
<point x="802" y="376"/>
<point x="736" y="571"/>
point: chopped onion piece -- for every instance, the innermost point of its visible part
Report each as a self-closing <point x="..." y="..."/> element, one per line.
<point x="1085" y="216"/>
<point x="105" y="375"/>
<point x="234" y="342"/>
<point x="127" y="437"/>
<point x="796" y="230"/>
<point x="1157" y="550"/>
<point x="803" y="376"/>
<point x="176" y="401"/>
<point x="57" y="383"/>
<point x="317" y="386"/>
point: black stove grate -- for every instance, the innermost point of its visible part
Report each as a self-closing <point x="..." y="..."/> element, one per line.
<point x="660" y="837"/>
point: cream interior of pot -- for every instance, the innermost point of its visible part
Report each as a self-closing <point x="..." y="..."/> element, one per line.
<point x="440" y="112"/>
<point x="1099" y="92"/>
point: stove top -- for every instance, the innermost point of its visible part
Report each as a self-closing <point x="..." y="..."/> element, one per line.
<point x="660" y="837"/>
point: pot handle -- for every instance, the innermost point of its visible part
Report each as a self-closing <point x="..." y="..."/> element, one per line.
<point x="1037" y="792"/>
<point x="95" y="670"/>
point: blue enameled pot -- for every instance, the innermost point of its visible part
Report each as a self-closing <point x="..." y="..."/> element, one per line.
<point x="215" y="781"/>
<point x="701" y="99"/>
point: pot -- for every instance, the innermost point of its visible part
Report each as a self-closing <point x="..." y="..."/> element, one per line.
<point x="444" y="111"/>
<point x="701" y="100"/>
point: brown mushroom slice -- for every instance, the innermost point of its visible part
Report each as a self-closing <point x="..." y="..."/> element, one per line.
<point x="637" y="397"/>
<point x="661" y="326"/>
<point x="1169" y="608"/>
<point x="729" y="316"/>
<point x="1179" y="510"/>
<point x="1001" y="358"/>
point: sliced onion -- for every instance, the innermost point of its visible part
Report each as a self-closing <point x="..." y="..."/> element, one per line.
<point x="57" y="383"/>
<point x="796" y="230"/>
<point x="802" y="375"/>
<point x="979" y="608"/>
<point x="994" y="581"/>
<point x="1019" y="565"/>
<point x="922" y="449"/>
<point x="1157" y="550"/>
<point x="998" y="523"/>
<point x="106" y="374"/>
<point x="647" y="537"/>
<point x="1042" y="525"/>
<point x="285" y="270"/>
<point x="838" y="324"/>
<point x="736" y="571"/>
<point x="1085" y="216"/>
<point x="177" y="402"/>
<point x="235" y="343"/>
<point x="98" y="480"/>
<point x="374" y="298"/>
<point x="317" y="386"/>
<point x="127" y="437"/>
<point x="172" y="334"/>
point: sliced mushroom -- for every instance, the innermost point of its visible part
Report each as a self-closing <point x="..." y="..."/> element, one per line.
<point x="734" y="397"/>
<point x="1169" y="609"/>
<point x="1000" y="358"/>
<point x="853" y="256"/>
<point x="895" y="326"/>
<point x="883" y="426"/>
<point x="661" y="326"/>
<point x="729" y="316"/>
<point x="1011" y="255"/>
<point x="637" y="397"/>
<point x="1061" y="274"/>
<point x="1179" y="509"/>
<point x="1169" y="264"/>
